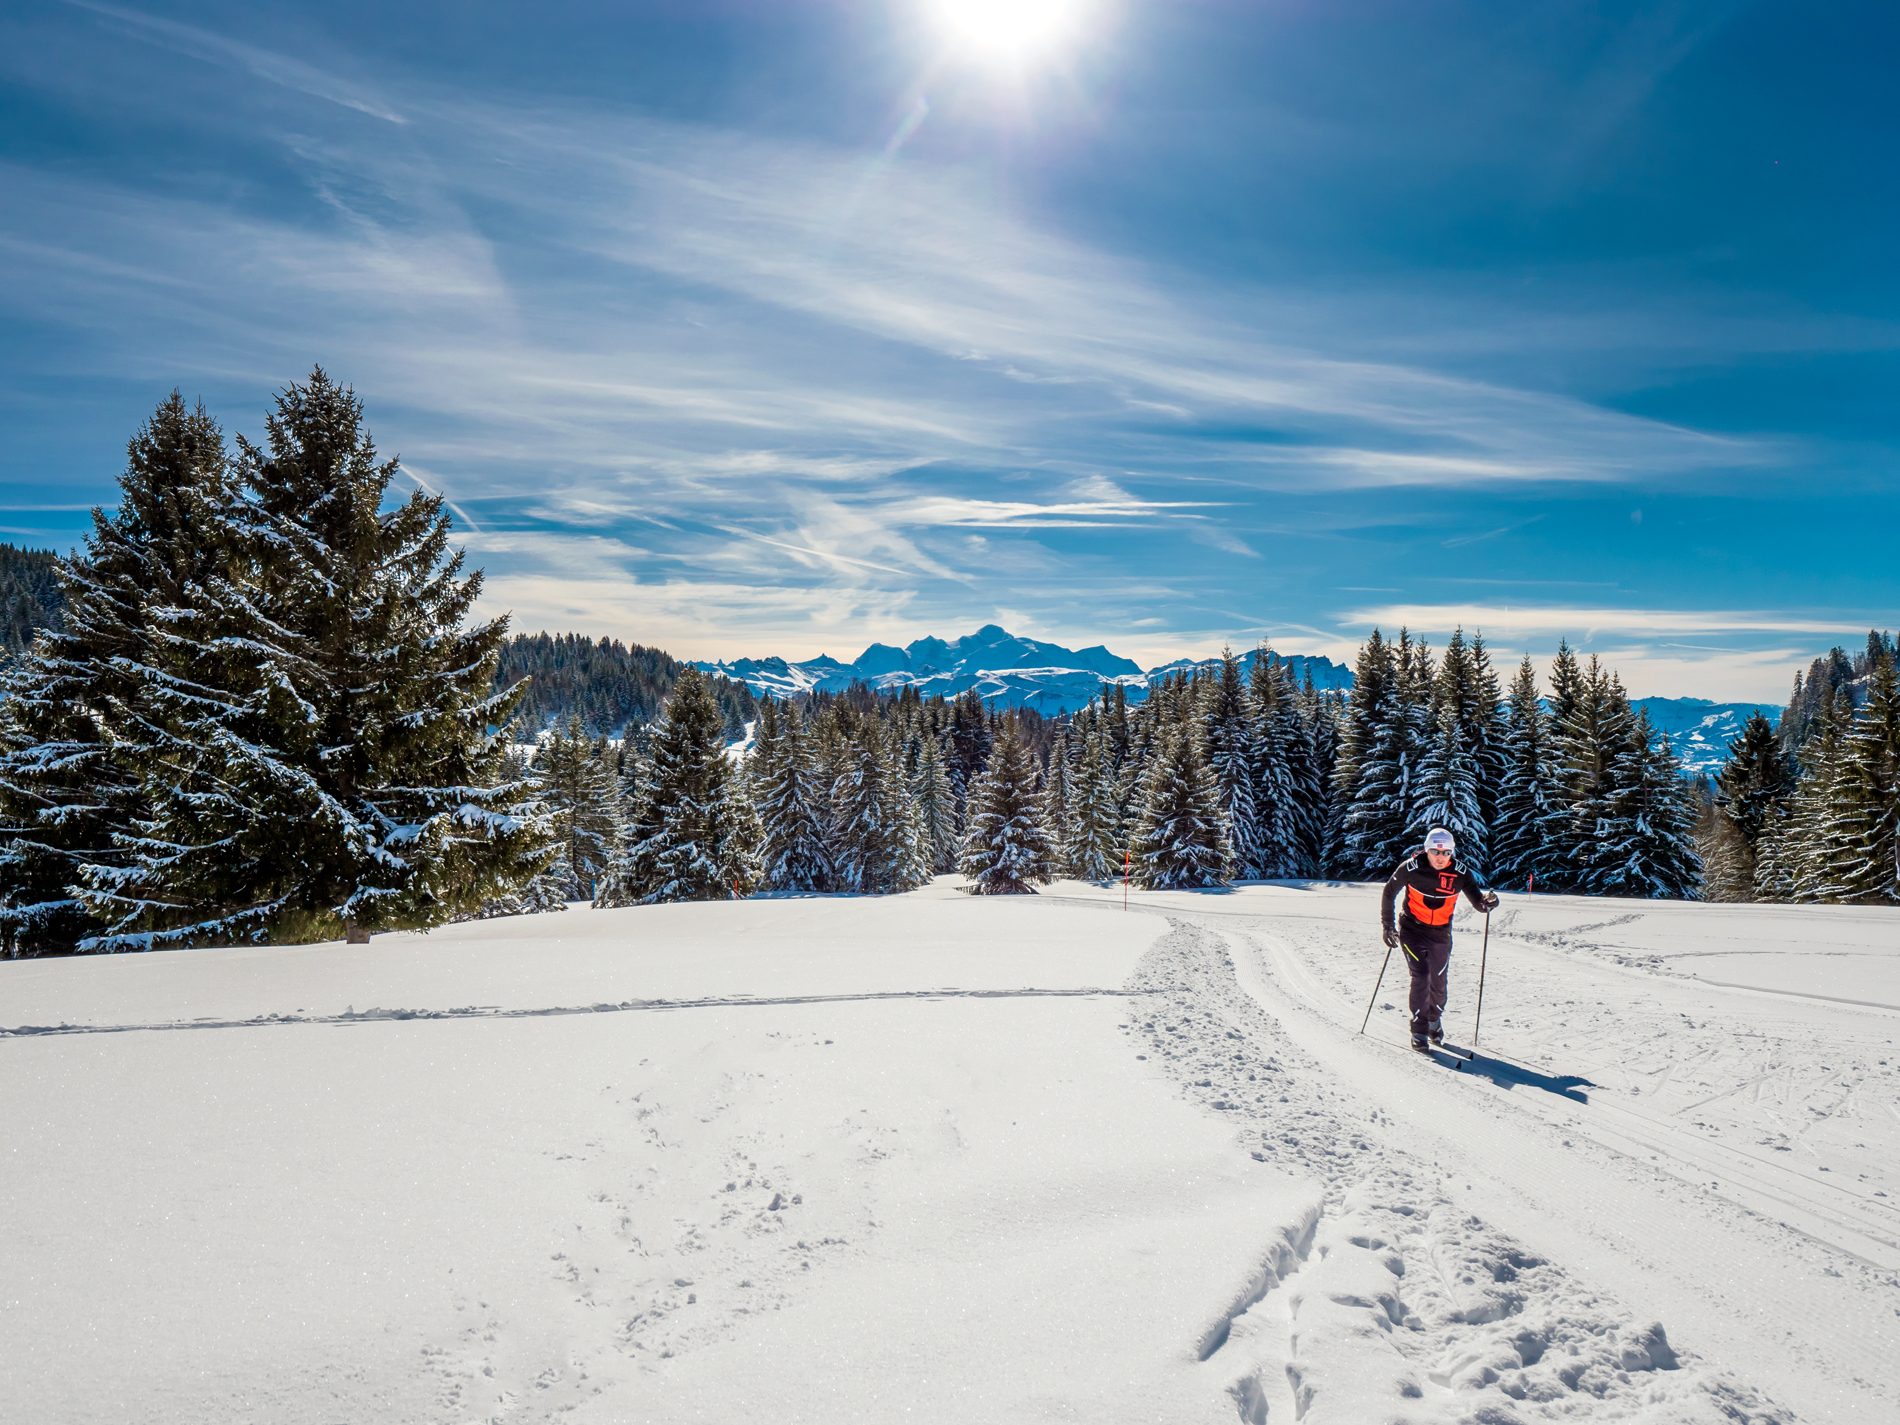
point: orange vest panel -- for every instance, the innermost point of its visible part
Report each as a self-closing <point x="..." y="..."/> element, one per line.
<point x="1420" y="910"/>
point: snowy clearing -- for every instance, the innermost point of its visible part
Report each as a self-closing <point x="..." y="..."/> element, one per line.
<point x="938" y="1158"/>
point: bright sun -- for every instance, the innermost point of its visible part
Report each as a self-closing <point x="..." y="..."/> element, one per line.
<point x="1009" y="31"/>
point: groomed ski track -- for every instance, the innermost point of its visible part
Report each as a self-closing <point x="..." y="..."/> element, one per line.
<point x="1778" y="1271"/>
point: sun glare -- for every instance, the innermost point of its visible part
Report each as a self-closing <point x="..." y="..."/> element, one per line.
<point x="1009" y="31"/>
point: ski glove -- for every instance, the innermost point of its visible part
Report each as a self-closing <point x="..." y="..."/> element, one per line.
<point x="1490" y="900"/>
<point x="1391" y="940"/>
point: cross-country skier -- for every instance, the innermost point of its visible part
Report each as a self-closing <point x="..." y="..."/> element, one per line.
<point x="1430" y="882"/>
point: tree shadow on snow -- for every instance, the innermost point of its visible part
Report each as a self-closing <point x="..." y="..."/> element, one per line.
<point x="1507" y="1075"/>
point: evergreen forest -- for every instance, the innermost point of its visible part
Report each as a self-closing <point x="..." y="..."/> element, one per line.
<point x="257" y="707"/>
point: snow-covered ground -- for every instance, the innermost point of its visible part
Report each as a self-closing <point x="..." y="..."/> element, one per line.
<point x="944" y="1159"/>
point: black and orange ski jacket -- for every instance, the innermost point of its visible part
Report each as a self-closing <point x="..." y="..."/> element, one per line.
<point x="1430" y="897"/>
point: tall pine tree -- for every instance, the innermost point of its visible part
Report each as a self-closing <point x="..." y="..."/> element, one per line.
<point x="74" y="711"/>
<point x="1232" y="733"/>
<point x="1095" y="838"/>
<point x="1645" y="843"/>
<point x="1371" y="778"/>
<point x="878" y="846"/>
<point x="789" y="795"/>
<point x="936" y="807"/>
<point x="333" y="763"/>
<point x="1860" y="835"/>
<point x="1749" y="792"/>
<point x="1531" y="827"/>
<point x="697" y="833"/>
<point x="1180" y="840"/>
<point x="576" y="786"/>
<point x="1006" y="849"/>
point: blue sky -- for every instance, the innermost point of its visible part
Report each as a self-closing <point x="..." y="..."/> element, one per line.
<point x="746" y="328"/>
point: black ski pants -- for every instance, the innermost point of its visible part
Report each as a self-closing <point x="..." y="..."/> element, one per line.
<point x="1428" y="957"/>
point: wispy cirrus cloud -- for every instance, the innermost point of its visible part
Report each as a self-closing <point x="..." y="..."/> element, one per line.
<point x="269" y="65"/>
<point x="1589" y="623"/>
<point x="829" y="389"/>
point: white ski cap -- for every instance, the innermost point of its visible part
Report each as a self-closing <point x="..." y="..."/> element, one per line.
<point x="1439" y="839"/>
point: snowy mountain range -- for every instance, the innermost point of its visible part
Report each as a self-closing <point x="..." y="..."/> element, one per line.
<point x="1000" y="666"/>
<point x="1013" y="671"/>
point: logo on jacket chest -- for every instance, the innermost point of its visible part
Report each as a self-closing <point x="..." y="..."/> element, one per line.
<point x="1447" y="882"/>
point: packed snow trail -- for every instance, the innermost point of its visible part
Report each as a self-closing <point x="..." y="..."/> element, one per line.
<point x="1405" y="1303"/>
<point x="1783" y="1274"/>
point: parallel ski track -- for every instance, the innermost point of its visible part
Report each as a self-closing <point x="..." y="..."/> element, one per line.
<point x="1567" y="1191"/>
<point x="1644" y="1202"/>
<point x="1864" y="1228"/>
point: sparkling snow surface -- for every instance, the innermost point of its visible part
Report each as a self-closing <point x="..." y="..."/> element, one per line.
<point x="950" y="1159"/>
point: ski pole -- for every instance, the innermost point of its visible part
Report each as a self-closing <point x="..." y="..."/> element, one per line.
<point x="1483" y="953"/>
<point x="1375" y="990"/>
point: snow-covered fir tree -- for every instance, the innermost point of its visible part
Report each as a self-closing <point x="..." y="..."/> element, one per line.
<point x="74" y="739"/>
<point x="1750" y="791"/>
<point x="1859" y="840"/>
<point x="936" y="806"/>
<point x="1180" y="840"/>
<point x="1231" y="730"/>
<point x="1531" y="829"/>
<point x="575" y="784"/>
<point x="1316" y="753"/>
<point x="1447" y="795"/>
<point x="1646" y="842"/>
<point x="1057" y="806"/>
<point x="1374" y="772"/>
<point x="1592" y="737"/>
<point x="1482" y="726"/>
<point x="1095" y="831"/>
<point x="877" y="843"/>
<point x="1414" y="736"/>
<point x="1006" y="847"/>
<point x="548" y="890"/>
<point x="969" y="746"/>
<point x="1286" y="778"/>
<point x="1728" y="872"/>
<point x="693" y="834"/>
<point x="334" y="766"/>
<point x="1791" y="858"/>
<point x="788" y="791"/>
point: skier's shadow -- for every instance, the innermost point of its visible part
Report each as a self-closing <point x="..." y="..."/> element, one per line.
<point x="1510" y="1076"/>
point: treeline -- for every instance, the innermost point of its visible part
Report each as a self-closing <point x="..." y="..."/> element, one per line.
<point x="30" y="597"/>
<point x="855" y="792"/>
<point x="266" y="716"/>
<point x="1218" y="775"/>
<point x="1570" y="792"/>
<point x="610" y="686"/>
<point x="1811" y="811"/>
<point x="1835" y="675"/>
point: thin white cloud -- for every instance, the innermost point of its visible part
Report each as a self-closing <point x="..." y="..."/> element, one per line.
<point x="827" y="558"/>
<point x="922" y="261"/>
<point x="269" y="65"/>
<point x="954" y="510"/>
<point x="1587" y="624"/>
